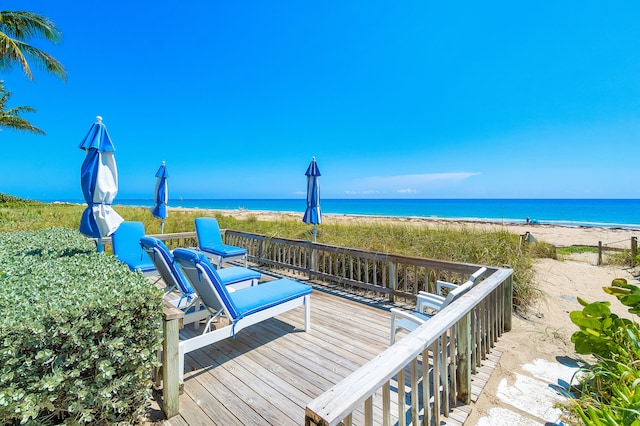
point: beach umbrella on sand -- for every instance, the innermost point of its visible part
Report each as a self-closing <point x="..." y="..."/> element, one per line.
<point x="161" y="196"/>
<point x="313" y="214"/>
<point x="99" y="182"/>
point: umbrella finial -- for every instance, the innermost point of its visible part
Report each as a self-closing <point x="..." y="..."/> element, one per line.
<point x="98" y="119"/>
<point x="163" y="163"/>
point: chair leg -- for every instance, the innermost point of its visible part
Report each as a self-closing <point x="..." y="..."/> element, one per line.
<point x="307" y="313"/>
<point x="393" y="329"/>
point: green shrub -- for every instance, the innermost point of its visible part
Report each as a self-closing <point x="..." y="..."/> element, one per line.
<point x="79" y="334"/>
<point x="609" y="393"/>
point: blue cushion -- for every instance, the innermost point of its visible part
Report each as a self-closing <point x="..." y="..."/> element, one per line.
<point x="208" y="231"/>
<point x="267" y="295"/>
<point x="126" y="246"/>
<point x="135" y="263"/>
<point x="236" y="274"/>
<point x="224" y="250"/>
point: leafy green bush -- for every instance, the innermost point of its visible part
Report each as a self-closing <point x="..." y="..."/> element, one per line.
<point x="610" y="390"/>
<point x="10" y="199"/>
<point x="79" y="332"/>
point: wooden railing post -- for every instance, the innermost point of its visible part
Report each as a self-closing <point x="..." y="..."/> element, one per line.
<point x="172" y="322"/>
<point x="463" y="373"/>
<point x="393" y="281"/>
<point x="634" y="250"/>
<point x="507" y="287"/>
<point x="599" y="253"/>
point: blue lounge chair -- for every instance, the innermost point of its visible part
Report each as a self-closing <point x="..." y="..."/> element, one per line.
<point x="210" y="243"/>
<point x="242" y="307"/>
<point x="234" y="277"/>
<point x="126" y="248"/>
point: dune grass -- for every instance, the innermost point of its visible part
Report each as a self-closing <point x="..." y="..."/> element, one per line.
<point x="457" y="243"/>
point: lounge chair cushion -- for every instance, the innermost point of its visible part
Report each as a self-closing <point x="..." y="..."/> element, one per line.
<point x="126" y="247"/>
<point x="236" y="274"/>
<point x="223" y="250"/>
<point x="266" y="295"/>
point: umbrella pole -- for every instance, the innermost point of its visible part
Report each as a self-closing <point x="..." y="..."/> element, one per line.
<point x="100" y="247"/>
<point x="314" y="232"/>
<point x="162" y="227"/>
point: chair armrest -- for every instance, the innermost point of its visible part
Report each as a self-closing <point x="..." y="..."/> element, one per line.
<point x="429" y="300"/>
<point x="406" y="315"/>
<point x="443" y="284"/>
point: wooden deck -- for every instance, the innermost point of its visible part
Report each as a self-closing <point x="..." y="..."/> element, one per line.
<point x="270" y="371"/>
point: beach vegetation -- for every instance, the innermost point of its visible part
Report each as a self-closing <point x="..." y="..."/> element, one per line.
<point x="619" y="258"/>
<point x="609" y="390"/>
<point x="456" y="243"/>
<point x="79" y="332"/>
<point x="542" y="250"/>
<point x="569" y="250"/>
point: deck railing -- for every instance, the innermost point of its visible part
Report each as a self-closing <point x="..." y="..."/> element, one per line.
<point x="440" y="355"/>
<point x="429" y="369"/>
<point x="393" y="275"/>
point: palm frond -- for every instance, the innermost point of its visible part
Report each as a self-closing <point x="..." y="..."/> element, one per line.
<point x="10" y="117"/>
<point x="27" y="25"/>
<point x="43" y="59"/>
<point x="10" y="53"/>
<point x="16" y="29"/>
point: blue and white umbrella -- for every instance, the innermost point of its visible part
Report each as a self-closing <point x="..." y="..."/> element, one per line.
<point x="161" y="196"/>
<point x="313" y="214"/>
<point x="99" y="182"/>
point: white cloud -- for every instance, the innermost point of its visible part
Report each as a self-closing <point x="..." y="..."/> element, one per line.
<point x="365" y="192"/>
<point x="408" y="184"/>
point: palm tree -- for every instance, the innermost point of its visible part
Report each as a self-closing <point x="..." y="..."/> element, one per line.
<point x="10" y="118"/>
<point x="17" y="28"/>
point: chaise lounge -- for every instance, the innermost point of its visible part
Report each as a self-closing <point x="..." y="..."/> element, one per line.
<point x="210" y="243"/>
<point x="242" y="307"/>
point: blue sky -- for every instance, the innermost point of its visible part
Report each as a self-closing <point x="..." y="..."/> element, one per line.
<point x="408" y="99"/>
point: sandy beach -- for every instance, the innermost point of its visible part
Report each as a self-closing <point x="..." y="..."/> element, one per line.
<point x="560" y="236"/>
<point x="543" y="332"/>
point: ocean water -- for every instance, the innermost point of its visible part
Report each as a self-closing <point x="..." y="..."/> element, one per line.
<point x="612" y="213"/>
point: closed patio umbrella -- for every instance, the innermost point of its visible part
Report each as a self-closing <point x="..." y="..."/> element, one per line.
<point x="99" y="182"/>
<point x="161" y="196"/>
<point x="312" y="214"/>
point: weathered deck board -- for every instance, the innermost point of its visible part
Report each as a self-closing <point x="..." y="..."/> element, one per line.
<point x="270" y="371"/>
